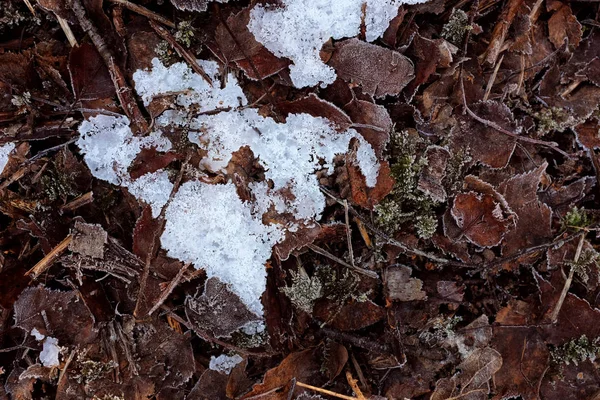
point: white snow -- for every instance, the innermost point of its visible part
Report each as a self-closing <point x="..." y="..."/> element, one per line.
<point x="50" y="349"/>
<point x="5" y="151"/>
<point x="224" y="363"/>
<point x="153" y="188"/>
<point x="109" y="147"/>
<point x="210" y="226"/>
<point x="191" y="88"/>
<point x="299" y="28"/>
<point x="290" y="154"/>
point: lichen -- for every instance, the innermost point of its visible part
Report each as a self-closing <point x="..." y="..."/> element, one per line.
<point x="554" y="119"/>
<point x="576" y="351"/>
<point x="456" y="28"/>
<point x="185" y="33"/>
<point x="165" y="53"/>
<point x="93" y="370"/>
<point x="439" y="329"/>
<point x="304" y="291"/>
<point x="576" y="218"/>
<point x="406" y="203"/>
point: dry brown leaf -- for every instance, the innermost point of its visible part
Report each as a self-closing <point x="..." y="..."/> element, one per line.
<point x="400" y="286"/>
<point x="379" y="71"/>
<point x="88" y="240"/>
<point x="563" y="25"/>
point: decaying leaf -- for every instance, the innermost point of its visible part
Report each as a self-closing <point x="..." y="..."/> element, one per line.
<point x="88" y="240"/>
<point x="379" y="71"/>
<point x="400" y="286"/>
<point x="563" y="26"/>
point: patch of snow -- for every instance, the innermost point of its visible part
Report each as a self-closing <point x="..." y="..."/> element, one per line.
<point x="50" y="349"/>
<point x="5" y="151"/>
<point x="38" y="336"/>
<point x="109" y="147"/>
<point x="211" y="227"/>
<point x="299" y="28"/>
<point x="191" y="88"/>
<point x="290" y="154"/>
<point x="224" y="363"/>
<point x="152" y="188"/>
<point x="50" y="352"/>
<point x="253" y="327"/>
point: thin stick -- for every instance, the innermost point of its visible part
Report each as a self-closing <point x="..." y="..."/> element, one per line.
<point x="490" y="83"/>
<point x="169" y="289"/>
<point x="49" y="259"/>
<point x="28" y="4"/>
<point x="67" y="30"/>
<point x="190" y="59"/>
<point x="80" y="201"/>
<point x="563" y="294"/>
<point x="348" y="233"/>
<point x="145" y="12"/>
<point x="323" y="252"/>
<point x="354" y="386"/>
<point x="325" y="391"/>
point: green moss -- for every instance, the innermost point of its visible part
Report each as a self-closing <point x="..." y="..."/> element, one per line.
<point x="576" y="351"/>
<point x="94" y="370"/>
<point x="456" y="28"/>
<point x="587" y="263"/>
<point x="165" y="53"/>
<point x="58" y="186"/>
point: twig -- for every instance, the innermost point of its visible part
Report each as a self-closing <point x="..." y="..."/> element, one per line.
<point x="190" y="59"/>
<point x="124" y="93"/>
<point x="348" y="233"/>
<point x="354" y="386"/>
<point x="80" y="201"/>
<point x="490" y="83"/>
<point x="323" y="252"/>
<point x="565" y="290"/>
<point x="30" y="7"/>
<point x="49" y="259"/>
<point x="325" y="391"/>
<point x="67" y="30"/>
<point x="169" y="289"/>
<point x="145" y="12"/>
<point x="63" y="372"/>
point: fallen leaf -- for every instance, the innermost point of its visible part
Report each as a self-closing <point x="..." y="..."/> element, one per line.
<point x="433" y="173"/>
<point x="400" y="286"/>
<point x="379" y="71"/>
<point x="88" y="240"/>
<point x="479" y="218"/>
<point x="563" y="25"/>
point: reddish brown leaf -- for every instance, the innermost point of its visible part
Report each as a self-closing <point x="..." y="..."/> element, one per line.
<point x="588" y="135"/>
<point x="89" y="76"/>
<point x="480" y="218"/>
<point x="350" y="317"/>
<point x="533" y="217"/>
<point x="317" y="107"/>
<point x="379" y="71"/>
<point x="487" y="145"/>
<point x="370" y="114"/>
<point x="432" y="174"/>
<point x="365" y="196"/>
<point x="563" y="25"/>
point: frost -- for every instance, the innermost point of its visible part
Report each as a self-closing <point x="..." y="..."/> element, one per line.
<point x="50" y="349"/>
<point x="190" y="87"/>
<point x="299" y="29"/>
<point x="224" y="363"/>
<point x="4" y="153"/>
<point x="211" y="227"/>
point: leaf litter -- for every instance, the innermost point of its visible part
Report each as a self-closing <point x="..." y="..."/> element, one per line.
<point x="379" y="199"/>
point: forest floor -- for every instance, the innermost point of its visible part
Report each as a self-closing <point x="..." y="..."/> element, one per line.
<point x="299" y="200"/>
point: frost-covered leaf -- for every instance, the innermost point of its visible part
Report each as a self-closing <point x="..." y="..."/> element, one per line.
<point x="563" y="25"/>
<point x="62" y="315"/>
<point x="533" y="217"/>
<point x="317" y="107"/>
<point x="194" y="5"/>
<point x="88" y="240"/>
<point x="218" y="311"/>
<point x="432" y="174"/>
<point x="378" y="70"/>
<point x="400" y="286"/>
<point x="480" y="218"/>
<point x="89" y="75"/>
<point x="245" y="45"/>
<point x="485" y="144"/>
<point x="355" y="315"/>
<point x="373" y="122"/>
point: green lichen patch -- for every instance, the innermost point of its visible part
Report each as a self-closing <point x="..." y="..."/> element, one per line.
<point x="457" y="27"/>
<point x="304" y="291"/>
<point x="576" y="351"/>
